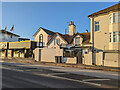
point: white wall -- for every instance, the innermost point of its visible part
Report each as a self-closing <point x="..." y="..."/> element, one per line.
<point x="47" y="54"/>
<point x="45" y="37"/>
<point x="51" y="45"/>
<point x="87" y="59"/>
<point x="7" y="38"/>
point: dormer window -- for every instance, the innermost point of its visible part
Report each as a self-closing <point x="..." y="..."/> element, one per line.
<point x="77" y="40"/>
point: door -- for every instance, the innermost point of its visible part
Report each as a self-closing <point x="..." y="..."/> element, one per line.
<point x="39" y="55"/>
<point x="79" y="57"/>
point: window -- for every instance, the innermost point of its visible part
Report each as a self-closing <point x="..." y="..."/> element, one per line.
<point x="116" y="16"/>
<point x="77" y="40"/>
<point x="119" y="36"/>
<point x="97" y="26"/>
<point x="41" y="38"/>
<point x="113" y="17"/>
<point x="58" y="41"/>
<point x="110" y="39"/>
<point x="115" y="37"/>
<point x="110" y="19"/>
<point x="11" y="36"/>
<point x="119" y="17"/>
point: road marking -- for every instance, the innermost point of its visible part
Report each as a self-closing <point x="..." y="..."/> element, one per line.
<point x="57" y="73"/>
<point x="48" y="75"/>
<point x="13" y="69"/>
<point x="95" y="79"/>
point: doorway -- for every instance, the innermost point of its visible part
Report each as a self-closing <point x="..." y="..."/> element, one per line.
<point x="79" y="57"/>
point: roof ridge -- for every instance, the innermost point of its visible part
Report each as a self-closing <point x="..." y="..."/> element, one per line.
<point x="114" y="7"/>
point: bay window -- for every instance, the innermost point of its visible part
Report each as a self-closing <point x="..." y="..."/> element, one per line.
<point x="116" y="17"/>
<point x="114" y="36"/>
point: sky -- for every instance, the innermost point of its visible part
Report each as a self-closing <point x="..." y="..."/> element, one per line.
<point x="27" y="17"/>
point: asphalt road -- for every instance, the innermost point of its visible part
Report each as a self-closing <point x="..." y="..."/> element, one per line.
<point x="26" y="77"/>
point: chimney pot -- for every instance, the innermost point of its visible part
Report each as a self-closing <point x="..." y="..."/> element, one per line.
<point x="86" y="30"/>
<point x="72" y="22"/>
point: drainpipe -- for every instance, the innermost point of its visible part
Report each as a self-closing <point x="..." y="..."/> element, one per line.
<point x="93" y="53"/>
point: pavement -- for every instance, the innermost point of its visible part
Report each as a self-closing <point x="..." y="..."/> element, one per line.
<point x="19" y="75"/>
<point x="93" y="67"/>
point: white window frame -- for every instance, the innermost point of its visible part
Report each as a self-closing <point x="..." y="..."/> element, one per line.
<point x="110" y="19"/>
<point x="110" y="37"/>
<point x="116" y="17"/>
<point x="115" y="36"/>
<point x="58" y="41"/>
<point x="97" y="26"/>
<point x="77" y="41"/>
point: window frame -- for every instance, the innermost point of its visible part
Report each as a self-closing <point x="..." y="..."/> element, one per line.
<point x="115" y="37"/>
<point x="97" y="26"/>
<point x="58" y="41"/>
<point x="41" y="40"/>
<point x="77" y="41"/>
<point x="110" y="37"/>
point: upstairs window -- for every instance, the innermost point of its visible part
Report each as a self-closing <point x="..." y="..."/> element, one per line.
<point x="116" y="17"/>
<point x="58" y="41"/>
<point x="41" y="38"/>
<point x="77" y="40"/>
<point x="97" y="26"/>
<point x="110" y="39"/>
<point x="115" y="36"/>
<point x="119" y="36"/>
<point x="110" y="19"/>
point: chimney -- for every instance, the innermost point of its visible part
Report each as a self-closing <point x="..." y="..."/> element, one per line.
<point x="86" y="31"/>
<point x="72" y="28"/>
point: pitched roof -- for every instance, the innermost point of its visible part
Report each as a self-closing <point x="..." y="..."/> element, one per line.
<point x="69" y="39"/>
<point x="61" y="35"/>
<point x="112" y="8"/>
<point x="66" y="37"/>
<point x="47" y="31"/>
<point x="7" y="32"/>
<point x="85" y="36"/>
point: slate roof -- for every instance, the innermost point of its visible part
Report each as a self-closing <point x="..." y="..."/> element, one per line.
<point x="69" y="39"/>
<point x="112" y="8"/>
<point x="47" y="31"/>
<point x="7" y="32"/>
<point x="66" y="37"/>
<point x="85" y="36"/>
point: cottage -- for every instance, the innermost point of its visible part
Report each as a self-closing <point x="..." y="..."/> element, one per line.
<point x="62" y="45"/>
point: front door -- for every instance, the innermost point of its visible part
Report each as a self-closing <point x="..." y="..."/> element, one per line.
<point x="79" y="57"/>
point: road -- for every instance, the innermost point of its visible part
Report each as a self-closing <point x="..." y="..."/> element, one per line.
<point x="19" y="76"/>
